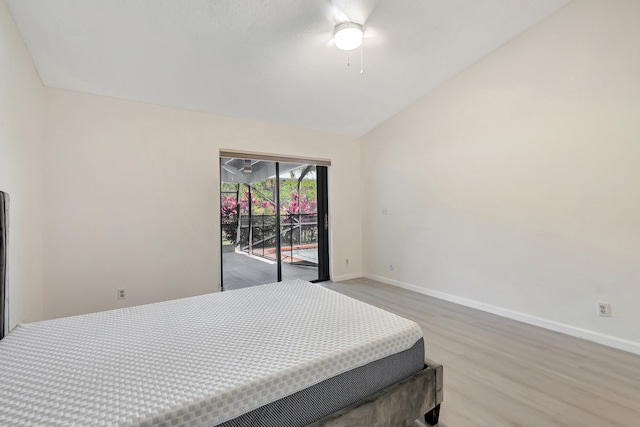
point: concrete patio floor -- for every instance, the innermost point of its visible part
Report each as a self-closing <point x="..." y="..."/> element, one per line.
<point x="240" y="271"/>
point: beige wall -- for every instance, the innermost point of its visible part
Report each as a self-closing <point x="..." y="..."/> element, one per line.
<point x="21" y="108"/>
<point x="515" y="187"/>
<point x="132" y="198"/>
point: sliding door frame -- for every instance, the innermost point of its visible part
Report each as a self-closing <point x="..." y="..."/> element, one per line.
<point x="278" y="225"/>
<point x="323" y="223"/>
<point x="322" y="186"/>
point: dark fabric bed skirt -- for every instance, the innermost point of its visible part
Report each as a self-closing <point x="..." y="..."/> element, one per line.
<point x="318" y="401"/>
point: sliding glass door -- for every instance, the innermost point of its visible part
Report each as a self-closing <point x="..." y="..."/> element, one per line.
<point x="299" y="221"/>
<point x="274" y="222"/>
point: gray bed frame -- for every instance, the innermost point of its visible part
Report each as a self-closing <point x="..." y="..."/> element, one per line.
<point x="397" y="405"/>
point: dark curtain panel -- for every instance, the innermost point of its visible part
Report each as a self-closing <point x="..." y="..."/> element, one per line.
<point x="4" y="299"/>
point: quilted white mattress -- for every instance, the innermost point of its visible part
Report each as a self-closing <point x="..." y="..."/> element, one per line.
<point x="190" y="362"/>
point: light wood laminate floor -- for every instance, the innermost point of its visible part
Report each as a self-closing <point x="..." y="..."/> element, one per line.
<point x="499" y="372"/>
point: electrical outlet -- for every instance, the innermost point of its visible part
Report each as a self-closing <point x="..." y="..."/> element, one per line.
<point x="604" y="309"/>
<point x="384" y="211"/>
<point x="346" y="261"/>
<point x="122" y="293"/>
<point x="391" y="267"/>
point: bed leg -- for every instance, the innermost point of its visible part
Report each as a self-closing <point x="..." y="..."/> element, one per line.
<point x="432" y="416"/>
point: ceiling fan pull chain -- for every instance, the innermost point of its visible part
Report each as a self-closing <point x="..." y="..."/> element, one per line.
<point x="361" y="58"/>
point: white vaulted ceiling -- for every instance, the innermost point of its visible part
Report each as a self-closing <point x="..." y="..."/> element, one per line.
<point x="267" y="60"/>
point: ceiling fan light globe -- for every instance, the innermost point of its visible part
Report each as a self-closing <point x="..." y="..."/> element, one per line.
<point x="348" y="36"/>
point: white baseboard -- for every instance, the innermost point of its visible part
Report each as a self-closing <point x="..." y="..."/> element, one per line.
<point x="343" y="277"/>
<point x="621" y="344"/>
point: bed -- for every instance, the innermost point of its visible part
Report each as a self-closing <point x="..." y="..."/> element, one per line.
<point x="284" y="354"/>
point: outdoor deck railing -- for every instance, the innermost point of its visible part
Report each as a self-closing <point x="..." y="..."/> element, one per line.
<point x="257" y="234"/>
